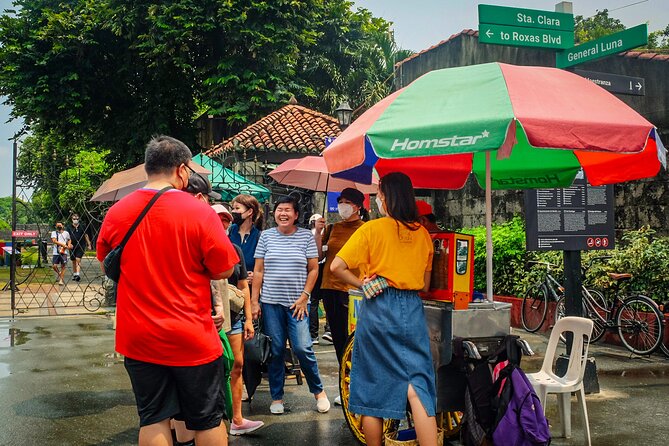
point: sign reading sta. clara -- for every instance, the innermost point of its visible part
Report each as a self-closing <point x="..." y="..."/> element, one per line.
<point x="525" y="27"/>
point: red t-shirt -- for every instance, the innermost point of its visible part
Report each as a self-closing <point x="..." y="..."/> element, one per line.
<point x="163" y="298"/>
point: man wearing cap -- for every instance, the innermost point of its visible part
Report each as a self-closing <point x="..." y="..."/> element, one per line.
<point x="426" y="217"/>
<point x="172" y="351"/>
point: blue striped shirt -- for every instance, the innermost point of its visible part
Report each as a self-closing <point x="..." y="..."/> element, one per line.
<point x="285" y="259"/>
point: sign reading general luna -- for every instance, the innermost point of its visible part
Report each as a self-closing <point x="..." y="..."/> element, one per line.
<point x="576" y="218"/>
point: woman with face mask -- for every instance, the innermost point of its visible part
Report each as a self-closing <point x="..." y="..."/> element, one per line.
<point x="392" y="362"/>
<point x="247" y="222"/>
<point x="334" y="291"/>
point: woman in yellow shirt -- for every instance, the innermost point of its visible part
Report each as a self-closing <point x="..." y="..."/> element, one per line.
<point x="392" y="362"/>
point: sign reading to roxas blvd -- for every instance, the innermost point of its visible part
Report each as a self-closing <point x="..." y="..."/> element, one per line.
<point x="525" y="27"/>
<point x="604" y="46"/>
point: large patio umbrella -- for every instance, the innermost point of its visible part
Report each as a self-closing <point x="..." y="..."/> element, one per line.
<point x="311" y="173"/>
<point x="127" y="181"/>
<point x="513" y="127"/>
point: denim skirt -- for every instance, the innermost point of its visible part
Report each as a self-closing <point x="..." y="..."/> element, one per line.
<point x="391" y="351"/>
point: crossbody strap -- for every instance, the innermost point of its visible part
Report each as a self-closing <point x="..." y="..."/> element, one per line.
<point x="141" y="216"/>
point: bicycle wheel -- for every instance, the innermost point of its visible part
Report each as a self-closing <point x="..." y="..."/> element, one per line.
<point x="94" y="295"/>
<point x="354" y="421"/>
<point x="597" y="309"/>
<point x="533" y="308"/>
<point x="639" y="324"/>
<point x="599" y="321"/>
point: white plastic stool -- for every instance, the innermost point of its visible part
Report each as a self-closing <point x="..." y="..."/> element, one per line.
<point x="546" y="381"/>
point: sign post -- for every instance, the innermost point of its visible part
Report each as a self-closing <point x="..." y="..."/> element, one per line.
<point x="500" y="25"/>
<point x="604" y="46"/>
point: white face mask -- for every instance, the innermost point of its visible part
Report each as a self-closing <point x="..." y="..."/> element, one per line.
<point x="379" y="204"/>
<point x="345" y="210"/>
<point x="75" y="222"/>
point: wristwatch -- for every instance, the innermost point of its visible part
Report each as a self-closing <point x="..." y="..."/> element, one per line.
<point x="307" y="293"/>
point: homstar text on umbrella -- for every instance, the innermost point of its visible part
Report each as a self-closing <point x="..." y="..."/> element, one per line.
<point x="452" y="141"/>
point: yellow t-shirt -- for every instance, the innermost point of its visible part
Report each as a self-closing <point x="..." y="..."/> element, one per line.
<point x="387" y="248"/>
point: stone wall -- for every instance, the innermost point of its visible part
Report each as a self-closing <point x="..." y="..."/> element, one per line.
<point x="638" y="203"/>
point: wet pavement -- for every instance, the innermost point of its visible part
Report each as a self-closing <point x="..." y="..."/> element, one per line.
<point x="62" y="384"/>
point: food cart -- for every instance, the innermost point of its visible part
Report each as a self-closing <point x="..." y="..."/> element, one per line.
<point x="449" y="313"/>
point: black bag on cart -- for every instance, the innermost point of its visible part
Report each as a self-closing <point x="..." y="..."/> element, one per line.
<point x="480" y="415"/>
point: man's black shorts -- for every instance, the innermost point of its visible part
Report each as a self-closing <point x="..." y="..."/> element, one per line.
<point x="194" y="394"/>
<point x="77" y="253"/>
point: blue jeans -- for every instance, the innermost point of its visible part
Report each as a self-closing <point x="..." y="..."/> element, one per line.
<point x="279" y="324"/>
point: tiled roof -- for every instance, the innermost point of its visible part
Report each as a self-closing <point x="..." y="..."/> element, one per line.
<point x="474" y="33"/>
<point x="292" y="128"/>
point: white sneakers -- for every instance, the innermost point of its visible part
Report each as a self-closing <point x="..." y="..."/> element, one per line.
<point x="323" y="404"/>
<point x="276" y="408"/>
<point x="337" y="400"/>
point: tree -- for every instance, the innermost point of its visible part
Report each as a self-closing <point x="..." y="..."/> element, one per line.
<point x="353" y="59"/>
<point x="599" y="25"/>
<point x="658" y="40"/>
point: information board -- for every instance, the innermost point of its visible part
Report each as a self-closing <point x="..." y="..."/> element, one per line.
<point x="576" y="218"/>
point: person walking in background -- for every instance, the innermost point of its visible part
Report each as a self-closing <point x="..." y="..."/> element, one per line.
<point x="316" y="225"/>
<point x="333" y="290"/>
<point x="61" y="245"/>
<point x="391" y="355"/>
<point x="285" y="272"/>
<point x="241" y="330"/>
<point x="80" y="242"/>
<point x="247" y="222"/>
<point x="165" y="330"/>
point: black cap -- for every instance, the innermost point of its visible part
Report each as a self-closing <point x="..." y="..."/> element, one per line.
<point x="353" y="195"/>
<point x="200" y="184"/>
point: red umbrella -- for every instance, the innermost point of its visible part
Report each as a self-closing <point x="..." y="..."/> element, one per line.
<point x="311" y="173"/>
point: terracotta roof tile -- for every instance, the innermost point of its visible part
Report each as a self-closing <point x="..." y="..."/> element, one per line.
<point x="292" y="128"/>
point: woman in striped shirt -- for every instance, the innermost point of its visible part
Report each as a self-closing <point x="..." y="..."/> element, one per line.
<point x="286" y="269"/>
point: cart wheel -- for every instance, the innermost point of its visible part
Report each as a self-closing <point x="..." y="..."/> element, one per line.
<point x="450" y="423"/>
<point x="354" y="421"/>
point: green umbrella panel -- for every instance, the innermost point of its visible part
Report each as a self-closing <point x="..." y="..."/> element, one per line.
<point x="230" y="184"/>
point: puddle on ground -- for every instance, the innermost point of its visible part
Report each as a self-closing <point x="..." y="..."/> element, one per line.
<point x="13" y="337"/>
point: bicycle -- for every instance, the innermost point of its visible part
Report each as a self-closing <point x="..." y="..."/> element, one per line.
<point x="534" y="306"/>
<point x="637" y="318"/>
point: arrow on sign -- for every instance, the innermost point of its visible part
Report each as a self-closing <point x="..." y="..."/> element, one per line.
<point x="638" y="85"/>
<point x="488" y="33"/>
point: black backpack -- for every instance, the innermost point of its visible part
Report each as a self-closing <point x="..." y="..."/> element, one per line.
<point x="480" y="414"/>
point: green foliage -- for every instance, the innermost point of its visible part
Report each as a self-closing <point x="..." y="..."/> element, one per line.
<point x="509" y="255"/>
<point x="644" y="256"/>
<point x="6" y="213"/>
<point x="640" y="253"/>
<point x="659" y="40"/>
<point x="81" y="180"/>
<point x="599" y="25"/>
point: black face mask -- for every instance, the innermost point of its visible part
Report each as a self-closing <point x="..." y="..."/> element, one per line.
<point x="237" y="218"/>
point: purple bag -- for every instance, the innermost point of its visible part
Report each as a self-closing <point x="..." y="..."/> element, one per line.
<point x="521" y="419"/>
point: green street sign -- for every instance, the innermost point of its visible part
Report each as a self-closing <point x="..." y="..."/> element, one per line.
<point x="527" y="18"/>
<point x="510" y="35"/>
<point x="602" y="47"/>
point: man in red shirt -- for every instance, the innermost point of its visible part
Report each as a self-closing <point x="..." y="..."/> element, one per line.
<point x="172" y="351"/>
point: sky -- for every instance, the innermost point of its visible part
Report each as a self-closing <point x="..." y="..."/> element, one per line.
<point x="418" y="24"/>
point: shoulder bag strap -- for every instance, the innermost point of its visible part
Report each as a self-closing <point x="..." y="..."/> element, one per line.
<point x="143" y="213"/>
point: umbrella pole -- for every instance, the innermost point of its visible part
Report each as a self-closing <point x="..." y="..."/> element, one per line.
<point x="488" y="226"/>
<point x="325" y="202"/>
